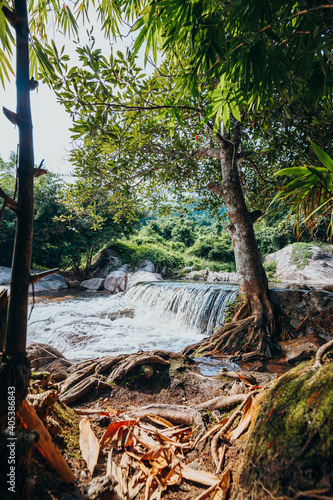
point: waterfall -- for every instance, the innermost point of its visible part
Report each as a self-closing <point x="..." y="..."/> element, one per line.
<point x="200" y="306"/>
<point x="159" y="315"/>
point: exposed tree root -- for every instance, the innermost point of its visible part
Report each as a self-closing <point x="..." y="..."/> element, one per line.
<point x="227" y="426"/>
<point x="320" y="354"/>
<point x="175" y="414"/>
<point x="79" y="390"/>
<point x="132" y="362"/>
<point x="77" y="376"/>
<point x="250" y="331"/>
<point x="223" y="402"/>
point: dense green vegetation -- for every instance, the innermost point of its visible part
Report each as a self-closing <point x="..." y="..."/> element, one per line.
<point x="63" y="236"/>
<point x="68" y="235"/>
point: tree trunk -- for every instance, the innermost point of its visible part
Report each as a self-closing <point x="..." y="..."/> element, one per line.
<point x="15" y="370"/>
<point x="253" y="326"/>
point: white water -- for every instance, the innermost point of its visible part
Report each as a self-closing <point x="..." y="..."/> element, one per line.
<point x="160" y="315"/>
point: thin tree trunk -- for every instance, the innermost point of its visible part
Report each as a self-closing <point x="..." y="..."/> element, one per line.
<point x="20" y="279"/>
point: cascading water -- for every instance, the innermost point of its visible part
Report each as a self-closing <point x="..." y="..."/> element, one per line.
<point x="163" y="315"/>
<point x="198" y="306"/>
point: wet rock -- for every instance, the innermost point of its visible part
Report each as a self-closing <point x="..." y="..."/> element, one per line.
<point x="205" y="275"/>
<point x="232" y="277"/>
<point x="302" y="348"/>
<point x="147" y="266"/>
<point x="46" y="357"/>
<point x="307" y="311"/>
<point x="40" y="354"/>
<point x="74" y="284"/>
<point x="104" y="262"/>
<point x="142" y="277"/>
<point x="59" y="369"/>
<point x="116" y="281"/>
<point x="53" y="282"/>
<point x="93" y="284"/>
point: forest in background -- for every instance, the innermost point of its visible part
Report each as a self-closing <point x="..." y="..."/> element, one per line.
<point x="185" y="238"/>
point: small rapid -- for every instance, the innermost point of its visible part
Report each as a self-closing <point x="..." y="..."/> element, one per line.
<point x="163" y="315"/>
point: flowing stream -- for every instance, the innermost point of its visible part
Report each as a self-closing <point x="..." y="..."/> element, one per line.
<point x="159" y="315"/>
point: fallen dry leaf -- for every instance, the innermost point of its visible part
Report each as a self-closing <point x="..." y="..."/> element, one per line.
<point x="199" y="476"/>
<point x="222" y="488"/>
<point x="248" y="413"/>
<point x="89" y="444"/>
<point x="214" y="429"/>
<point x="112" y="429"/>
<point x="160" y="420"/>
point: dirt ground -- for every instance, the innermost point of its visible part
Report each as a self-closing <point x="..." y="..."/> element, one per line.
<point x="185" y="387"/>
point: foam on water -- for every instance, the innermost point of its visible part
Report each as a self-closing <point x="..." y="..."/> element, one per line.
<point x="150" y="316"/>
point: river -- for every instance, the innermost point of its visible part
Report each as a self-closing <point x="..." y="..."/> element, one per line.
<point x="159" y="315"/>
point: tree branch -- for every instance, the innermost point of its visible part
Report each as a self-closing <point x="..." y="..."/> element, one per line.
<point x="206" y="153"/>
<point x="37" y="276"/>
<point x="216" y="187"/>
<point x="10" y="203"/>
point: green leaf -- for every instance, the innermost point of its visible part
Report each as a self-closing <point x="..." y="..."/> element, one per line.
<point x="217" y="121"/>
<point x="323" y="157"/>
<point x="226" y="116"/>
<point x="235" y="110"/>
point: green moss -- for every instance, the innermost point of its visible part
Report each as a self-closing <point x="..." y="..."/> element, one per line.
<point x="69" y="422"/>
<point x="301" y="254"/>
<point x="39" y="375"/>
<point x="291" y="444"/>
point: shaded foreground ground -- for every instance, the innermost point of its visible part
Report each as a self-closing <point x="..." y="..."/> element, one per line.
<point x="279" y="446"/>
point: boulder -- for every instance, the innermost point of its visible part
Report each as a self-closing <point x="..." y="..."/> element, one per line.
<point x="116" y="281"/>
<point x="307" y="264"/>
<point x="40" y="354"/>
<point x="205" y="275"/>
<point x="302" y="348"/>
<point x="45" y="357"/>
<point x="142" y="277"/>
<point x="74" y="284"/>
<point x="53" y="282"/>
<point x="147" y="266"/>
<point x="308" y="312"/>
<point x="93" y="284"/>
<point x="104" y="262"/>
<point x="5" y="273"/>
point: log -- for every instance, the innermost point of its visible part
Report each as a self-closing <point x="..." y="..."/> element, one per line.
<point x="45" y="444"/>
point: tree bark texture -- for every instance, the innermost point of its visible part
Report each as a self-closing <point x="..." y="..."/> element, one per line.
<point x="21" y="265"/>
<point x="253" y="326"/>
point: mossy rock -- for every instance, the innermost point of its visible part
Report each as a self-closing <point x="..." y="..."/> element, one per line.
<point x="290" y="446"/>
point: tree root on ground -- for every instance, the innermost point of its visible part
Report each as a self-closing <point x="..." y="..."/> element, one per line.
<point x="320" y="354"/>
<point x="134" y="361"/>
<point x="176" y="414"/>
<point x="227" y="426"/>
<point x="79" y="390"/>
<point x="250" y="333"/>
<point x="223" y="402"/>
